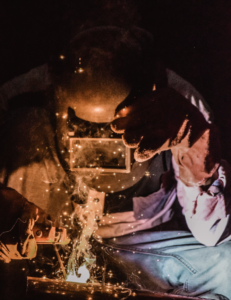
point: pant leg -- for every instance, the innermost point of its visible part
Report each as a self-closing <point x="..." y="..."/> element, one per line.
<point x="173" y="261"/>
<point x="213" y="271"/>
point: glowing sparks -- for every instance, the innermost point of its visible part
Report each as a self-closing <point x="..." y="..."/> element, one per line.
<point x="87" y="215"/>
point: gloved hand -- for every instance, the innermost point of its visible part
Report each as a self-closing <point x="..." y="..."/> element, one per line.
<point x="163" y="120"/>
<point x="17" y="219"/>
<point x="16" y="245"/>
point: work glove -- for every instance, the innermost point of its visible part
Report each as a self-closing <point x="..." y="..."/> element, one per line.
<point x="17" y="219"/>
<point x="163" y="120"/>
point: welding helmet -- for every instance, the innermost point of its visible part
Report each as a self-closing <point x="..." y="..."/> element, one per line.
<point x="103" y="68"/>
<point x="100" y="68"/>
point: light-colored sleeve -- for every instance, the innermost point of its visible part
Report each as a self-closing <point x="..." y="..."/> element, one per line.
<point x="207" y="213"/>
<point x="207" y="232"/>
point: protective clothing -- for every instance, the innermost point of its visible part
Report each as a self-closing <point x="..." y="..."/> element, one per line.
<point x="42" y="164"/>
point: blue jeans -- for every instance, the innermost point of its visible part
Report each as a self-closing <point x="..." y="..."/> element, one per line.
<point x="173" y="261"/>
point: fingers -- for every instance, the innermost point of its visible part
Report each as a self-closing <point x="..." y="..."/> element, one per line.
<point x="37" y="214"/>
<point x="121" y="124"/>
<point x="31" y="211"/>
<point x="30" y="226"/>
<point x="29" y="248"/>
<point x="24" y="245"/>
<point x="5" y="258"/>
<point x="150" y="147"/>
<point x="132" y="139"/>
<point x="3" y="248"/>
<point x="37" y="218"/>
<point x="26" y="236"/>
<point x="4" y="253"/>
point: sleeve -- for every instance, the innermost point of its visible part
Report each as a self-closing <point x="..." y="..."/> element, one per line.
<point x="207" y="213"/>
<point x="207" y="232"/>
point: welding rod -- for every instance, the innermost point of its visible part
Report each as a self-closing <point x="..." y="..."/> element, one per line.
<point x="60" y="261"/>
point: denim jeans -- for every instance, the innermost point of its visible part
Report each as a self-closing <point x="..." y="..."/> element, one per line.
<point x="173" y="261"/>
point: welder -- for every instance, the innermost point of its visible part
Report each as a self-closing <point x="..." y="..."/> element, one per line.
<point x="163" y="211"/>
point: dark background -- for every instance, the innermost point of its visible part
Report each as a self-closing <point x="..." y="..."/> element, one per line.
<point x="193" y="38"/>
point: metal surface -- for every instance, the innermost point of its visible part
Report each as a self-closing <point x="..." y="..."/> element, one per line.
<point x="43" y="288"/>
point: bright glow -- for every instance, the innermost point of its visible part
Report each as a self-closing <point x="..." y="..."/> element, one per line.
<point x="84" y="275"/>
<point x="98" y="109"/>
<point x="87" y="217"/>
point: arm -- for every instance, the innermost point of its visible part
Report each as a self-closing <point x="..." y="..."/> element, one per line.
<point x="165" y="120"/>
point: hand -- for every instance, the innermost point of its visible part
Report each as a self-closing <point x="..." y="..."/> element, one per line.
<point x="27" y="246"/>
<point x="17" y="219"/>
<point x="18" y="243"/>
<point x="164" y="120"/>
<point x="21" y="247"/>
<point x="32" y="215"/>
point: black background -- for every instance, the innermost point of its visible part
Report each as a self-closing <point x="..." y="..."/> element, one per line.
<point x="193" y="37"/>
